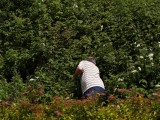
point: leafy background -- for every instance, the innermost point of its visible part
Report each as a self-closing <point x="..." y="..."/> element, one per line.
<point x="42" y="41"/>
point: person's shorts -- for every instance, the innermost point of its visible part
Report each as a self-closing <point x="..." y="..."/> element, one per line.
<point x="91" y="92"/>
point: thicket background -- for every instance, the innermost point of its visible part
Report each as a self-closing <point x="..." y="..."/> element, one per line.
<point x="42" y="41"/>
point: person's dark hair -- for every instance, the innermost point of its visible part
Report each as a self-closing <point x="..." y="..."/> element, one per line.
<point x="92" y="59"/>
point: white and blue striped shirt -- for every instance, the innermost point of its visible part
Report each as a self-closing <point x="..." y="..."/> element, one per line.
<point x="90" y="77"/>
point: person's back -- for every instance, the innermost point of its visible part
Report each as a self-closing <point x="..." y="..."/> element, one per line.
<point x="91" y="82"/>
<point x="90" y="76"/>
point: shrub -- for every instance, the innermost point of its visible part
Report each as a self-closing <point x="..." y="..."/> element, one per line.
<point x="136" y="107"/>
<point x="48" y="38"/>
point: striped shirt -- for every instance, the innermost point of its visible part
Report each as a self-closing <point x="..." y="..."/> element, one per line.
<point x="90" y="77"/>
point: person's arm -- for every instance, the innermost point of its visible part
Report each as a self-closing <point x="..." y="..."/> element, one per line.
<point x="77" y="72"/>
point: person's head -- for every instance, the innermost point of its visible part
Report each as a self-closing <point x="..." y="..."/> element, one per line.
<point x="91" y="59"/>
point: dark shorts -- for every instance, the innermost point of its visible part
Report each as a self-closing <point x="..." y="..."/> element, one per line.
<point x="91" y="92"/>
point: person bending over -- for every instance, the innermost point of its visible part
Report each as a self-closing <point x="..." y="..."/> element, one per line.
<point x="91" y="83"/>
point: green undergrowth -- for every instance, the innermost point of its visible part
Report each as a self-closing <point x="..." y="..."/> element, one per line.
<point x="59" y="108"/>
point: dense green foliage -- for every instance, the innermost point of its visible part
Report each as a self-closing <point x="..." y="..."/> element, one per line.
<point x="43" y="41"/>
<point x="136" y="107"/>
